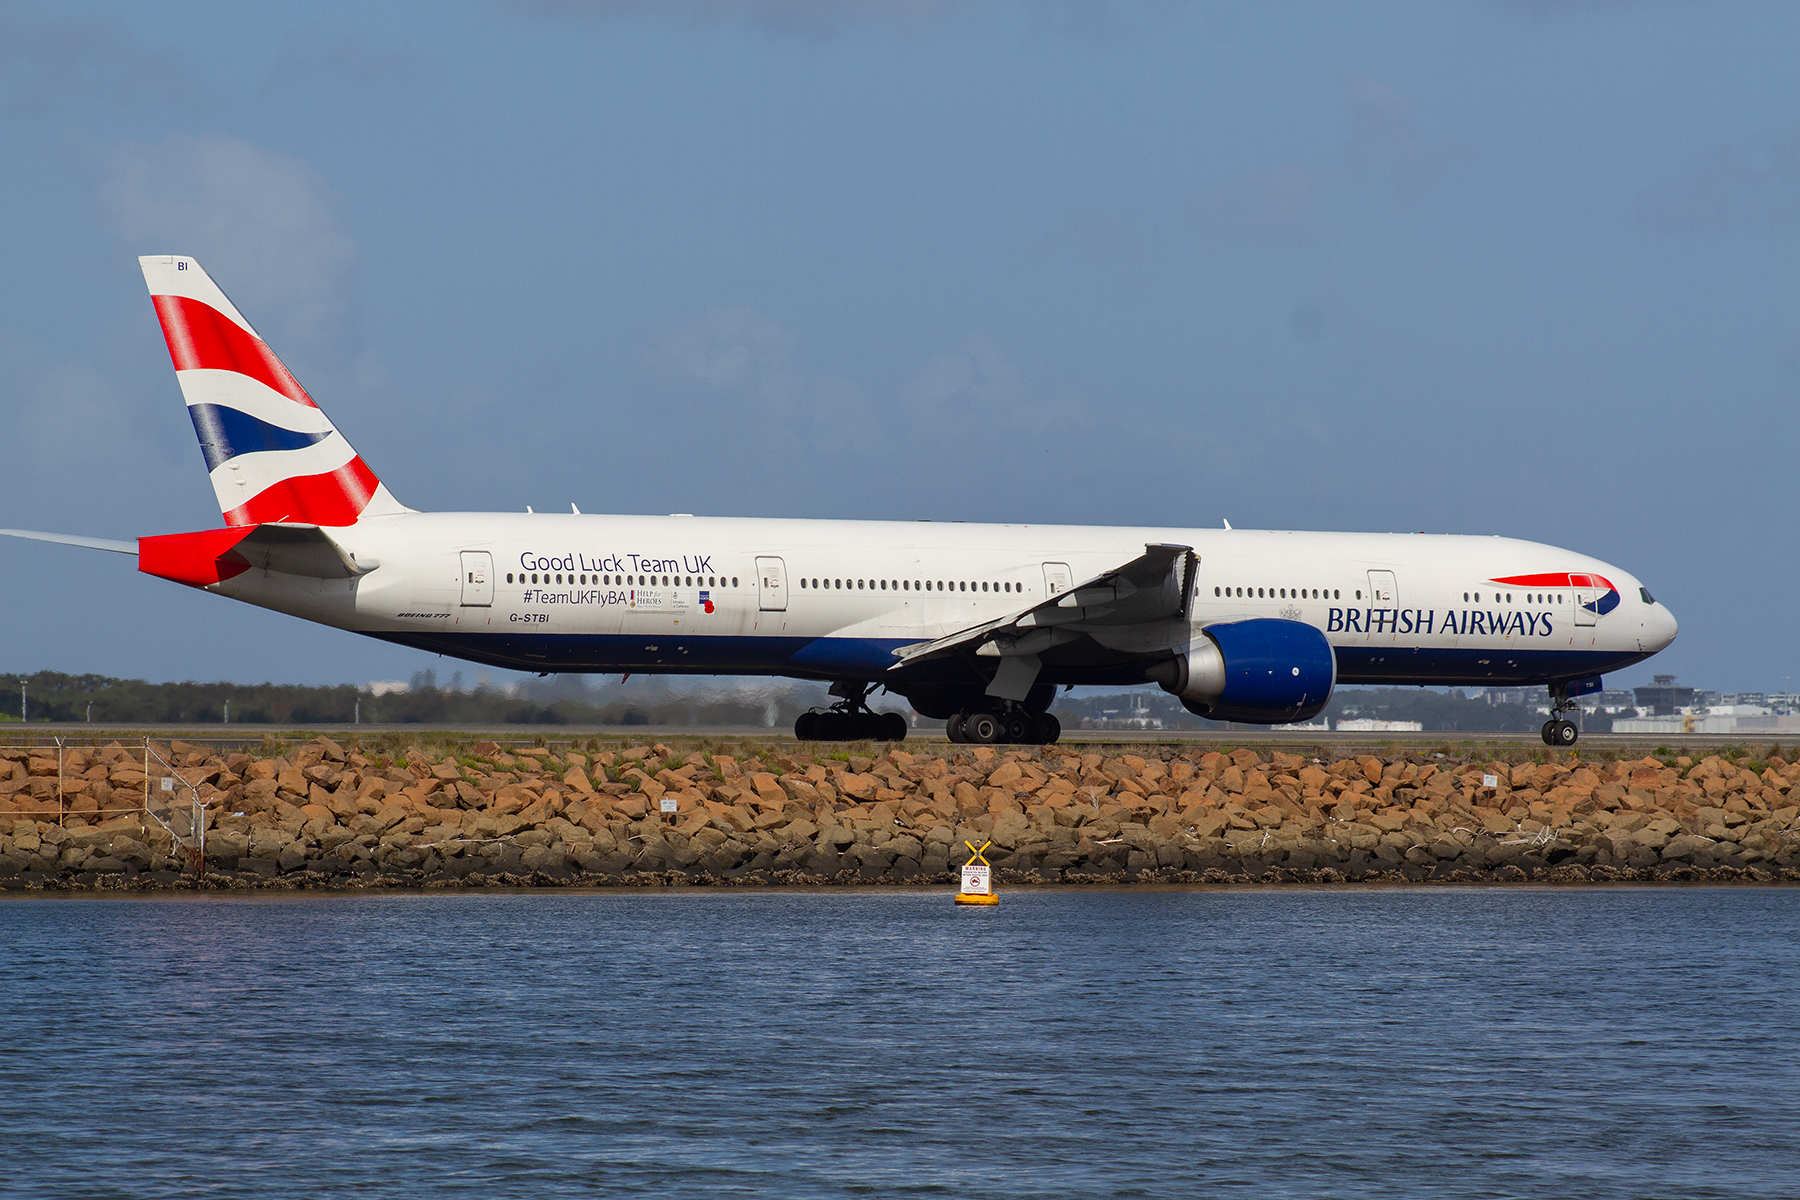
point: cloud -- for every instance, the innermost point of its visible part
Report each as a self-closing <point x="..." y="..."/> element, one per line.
<point x="744" y="371"/>
<point x="742" y="367"/>
<point x="1383" y="140"/>
<point x="261" y="223"/>
<point x="1271" y="205"/>
<point x="1752" y="186"/>
<point x="977" y="383"/>
<point x="734" y="348"/>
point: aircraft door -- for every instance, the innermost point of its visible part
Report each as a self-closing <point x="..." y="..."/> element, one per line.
<point x="477" y="579"/>
<point x="1382" y="589"/>
<point x="1587" y="594"/>
<point x="771" y="584"/>
<point x="1057" y="579"/>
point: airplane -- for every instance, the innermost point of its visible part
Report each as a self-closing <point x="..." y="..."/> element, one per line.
<point x="976" y="624"/>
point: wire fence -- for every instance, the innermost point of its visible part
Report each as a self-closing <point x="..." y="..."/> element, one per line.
<point x="161" y="804"/>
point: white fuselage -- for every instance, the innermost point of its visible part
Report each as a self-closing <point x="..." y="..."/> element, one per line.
<point x="834" y="599"/>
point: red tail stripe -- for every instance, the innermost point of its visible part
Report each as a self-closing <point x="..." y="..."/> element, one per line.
<point x="334" y="498"/>
<point x="200" y="336"/>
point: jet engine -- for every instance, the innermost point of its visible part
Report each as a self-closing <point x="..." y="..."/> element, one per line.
<point x="1262" y="671"/>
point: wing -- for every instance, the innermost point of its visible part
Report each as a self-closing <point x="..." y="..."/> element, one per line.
<point x="70" y="539"/>
<point x="1132" y="611"/>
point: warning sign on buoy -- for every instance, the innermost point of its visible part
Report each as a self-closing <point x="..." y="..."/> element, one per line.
<point x="977" y="878"/>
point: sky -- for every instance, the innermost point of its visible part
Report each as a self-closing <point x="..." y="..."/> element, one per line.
<point x="1526" y="268"/>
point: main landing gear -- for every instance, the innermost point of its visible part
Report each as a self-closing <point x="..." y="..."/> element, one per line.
<point x="850" y="719"/>
<point x="1011" y="724"/>
<point x="1557" y="731"/>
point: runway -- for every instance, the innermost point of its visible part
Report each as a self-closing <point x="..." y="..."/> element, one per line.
<point x="1330" y="743"/>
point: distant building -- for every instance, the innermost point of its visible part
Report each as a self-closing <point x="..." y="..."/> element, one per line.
<point x="1663" y="698"/>
<point x="1369" y="725"/>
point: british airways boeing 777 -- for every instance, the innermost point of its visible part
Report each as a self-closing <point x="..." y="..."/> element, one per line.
<point x="978" y="624"/>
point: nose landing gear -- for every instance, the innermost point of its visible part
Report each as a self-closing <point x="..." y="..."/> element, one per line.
<point x="1012" y="724"/>
<point x="1557" y="731"/>
<point x="850" y="719"/>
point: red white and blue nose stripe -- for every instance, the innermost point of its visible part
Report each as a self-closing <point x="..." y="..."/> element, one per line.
<point x="1592" y="592"/>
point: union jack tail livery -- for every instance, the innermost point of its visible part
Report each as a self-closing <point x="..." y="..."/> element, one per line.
<point x="273" y="455"/>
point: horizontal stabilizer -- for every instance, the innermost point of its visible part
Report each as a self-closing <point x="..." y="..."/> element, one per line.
<point x="69" y="539"/>
<point x="300" y="550"/>
<point x="215" y="555"/>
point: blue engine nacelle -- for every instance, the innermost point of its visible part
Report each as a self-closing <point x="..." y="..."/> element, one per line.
<point x="1262" y="671"/>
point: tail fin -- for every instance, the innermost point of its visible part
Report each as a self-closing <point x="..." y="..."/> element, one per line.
<point x="272" y="454"/>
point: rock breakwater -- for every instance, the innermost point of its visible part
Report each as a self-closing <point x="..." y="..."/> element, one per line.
<point x="326" y="816"/>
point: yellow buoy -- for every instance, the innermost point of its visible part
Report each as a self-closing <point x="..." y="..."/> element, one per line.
<point x="977" y="878"/>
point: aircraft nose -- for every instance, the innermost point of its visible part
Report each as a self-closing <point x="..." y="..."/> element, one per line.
<point x="1660" y="627"/>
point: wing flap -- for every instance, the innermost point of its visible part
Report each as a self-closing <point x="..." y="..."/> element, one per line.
<point x="1152" y="589"/>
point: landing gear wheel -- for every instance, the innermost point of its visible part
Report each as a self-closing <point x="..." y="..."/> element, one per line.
<point x="850" y="719"/>
<point x="953" y="728"/>
<point x="1045" y="729"/>
<point x="1018" y="727"/>
<point x="1557" y="731"/>
<point x="983" y="728"/>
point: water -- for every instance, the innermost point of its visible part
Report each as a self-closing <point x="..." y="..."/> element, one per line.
<point x="1480" y="1042"/>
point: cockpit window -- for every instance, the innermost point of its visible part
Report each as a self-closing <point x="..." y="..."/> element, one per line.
<point x="1645" y="593"/>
